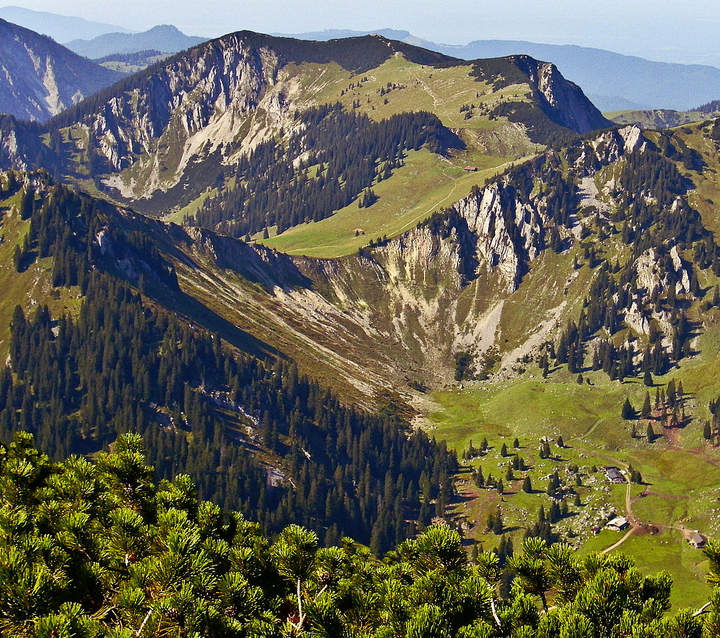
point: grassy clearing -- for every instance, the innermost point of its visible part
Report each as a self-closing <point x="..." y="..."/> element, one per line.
<point x="425" y="184"/>
<point x="178" y="216"/>
<point x="531" y="408"/>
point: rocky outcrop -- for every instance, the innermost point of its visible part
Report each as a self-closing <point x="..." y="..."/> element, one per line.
<point x="606" y="148"/>
<point x="636" y="320"/>
<point x="563" y="101"/>
<point x="651" y="276"/>
<point x="205" y="105"/>
<point x="509" y="233"/>
<point x="497" y="232"/>
<point x="196" y="102"/>
<point x="39" y="78"/>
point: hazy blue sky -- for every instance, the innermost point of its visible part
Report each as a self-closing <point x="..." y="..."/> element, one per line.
<point x="680" y="31"/>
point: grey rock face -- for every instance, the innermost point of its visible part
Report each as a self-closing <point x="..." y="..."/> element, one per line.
<point x="39" y="78"/>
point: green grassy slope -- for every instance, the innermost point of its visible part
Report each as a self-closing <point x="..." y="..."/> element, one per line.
<point x="426" y="184"/>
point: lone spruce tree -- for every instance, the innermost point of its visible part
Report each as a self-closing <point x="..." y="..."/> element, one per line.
<point x="628" y="412"/>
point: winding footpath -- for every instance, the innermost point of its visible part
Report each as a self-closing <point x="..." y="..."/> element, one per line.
<point x="636" y="525"/>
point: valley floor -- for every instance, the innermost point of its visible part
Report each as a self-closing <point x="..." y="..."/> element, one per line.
<point x="680" y="489"/>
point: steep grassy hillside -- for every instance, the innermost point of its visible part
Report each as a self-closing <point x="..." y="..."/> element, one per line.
<point x="611" y="80"/>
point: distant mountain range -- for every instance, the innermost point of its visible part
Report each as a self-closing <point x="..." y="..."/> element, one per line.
<point x="59" y="27"/>
<point x="39" y="77"/>
<point x="164" y="38"/>
<point x="665" y="118"/>
<point x="612" y="81"/>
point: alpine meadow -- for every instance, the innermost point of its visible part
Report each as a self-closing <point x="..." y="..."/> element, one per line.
<point x="344" y="337"/>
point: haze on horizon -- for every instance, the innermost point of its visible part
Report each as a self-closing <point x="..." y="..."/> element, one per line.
<point x="655" y="29"/>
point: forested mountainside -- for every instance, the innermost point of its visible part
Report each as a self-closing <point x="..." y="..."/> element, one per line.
<point x="402" y="314"/>
<point x="102" y="548"/>
<point x="41" y="78"/>
<point x="457" y="284"/>
<point x="165" y="138"/>
<point x="406" y="308"/>
<point x="256" y="435"/>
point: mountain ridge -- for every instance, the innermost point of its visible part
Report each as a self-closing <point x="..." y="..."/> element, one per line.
<point x="40" y="77"/>
<point x="159" y="137"/>
<point x="613" y="81"/>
